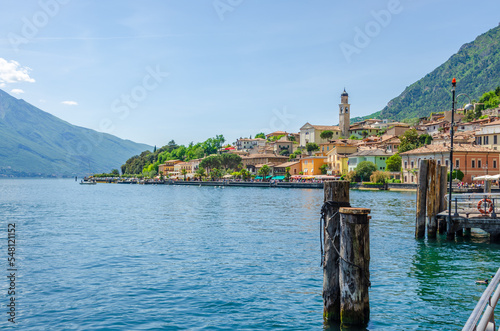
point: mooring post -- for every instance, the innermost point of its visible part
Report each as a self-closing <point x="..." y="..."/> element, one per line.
<point x="421" y="199"/>
<point x="431" y="200"/>
<point x="354" y="266"/>
<point x="336" y="193"/>
<point x="442" y="198"/>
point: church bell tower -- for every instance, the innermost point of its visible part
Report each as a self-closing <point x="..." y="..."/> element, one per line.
<point x="344" y="115"/>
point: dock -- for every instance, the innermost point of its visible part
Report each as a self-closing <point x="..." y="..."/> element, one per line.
<point x="437" y="214"/>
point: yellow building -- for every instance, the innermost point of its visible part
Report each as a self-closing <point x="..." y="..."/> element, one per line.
<point x="311" y="165"/>
<point x="168" y="167"/>
<point x="337" y="158"/>
<point x="311" y="133"/>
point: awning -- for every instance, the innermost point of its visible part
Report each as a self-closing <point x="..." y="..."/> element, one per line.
<point x="487" y="177"/>
<point x="278" y="177"/>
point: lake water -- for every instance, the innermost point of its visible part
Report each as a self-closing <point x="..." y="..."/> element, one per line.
<point x="138" y="257"/>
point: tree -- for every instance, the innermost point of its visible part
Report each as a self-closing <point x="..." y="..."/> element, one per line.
<point x="245" y="174"/>
<point x="171" y="145"/>
<point x="285" y="152"/>
<point x="365" y="169"/>
<point x="260" y="135"/>
<point x="364" y="133"/>
<point x="215" y="174"/>
<point x="379" y="177"/>
<point x="311" y="147"/>
<point x="287" y="174"/>
<point x="264" y="171"/>
<point x="210" y="162"/>
<point x="200" y="172"/>
<point x="393" y="163"/>
<point x="353" y="137"/>
<point x="184" y="172"/>
<point x="424" y="139"/>
<point x="327" y="134"/>
<point x="457" y="174"/>
<point x="409" y="141"/>
<point x="352" y="176"/>
<point x="115" y="172"/>
<point x="323" y="168"/>
<point x="230" y="161"/>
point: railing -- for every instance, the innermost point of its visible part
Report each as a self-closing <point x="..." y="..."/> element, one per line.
<point x="469" y="203"/>
<point x="489" y="301"/>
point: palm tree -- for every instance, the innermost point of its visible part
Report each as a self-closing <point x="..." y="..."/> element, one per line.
<point x="200" y="173"/>
<point x="184" y="172"/>
<point x="264" y="171"/>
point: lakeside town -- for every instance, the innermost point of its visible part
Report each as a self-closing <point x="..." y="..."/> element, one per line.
<point x="374" y="150"/>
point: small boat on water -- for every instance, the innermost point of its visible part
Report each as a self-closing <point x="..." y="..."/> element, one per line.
<point x="87" y="181"/>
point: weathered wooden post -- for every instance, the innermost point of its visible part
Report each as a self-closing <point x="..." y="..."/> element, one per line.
<point x="336" y="193"/>
<point x="442" y="201"/>
<point x="354" y="266"/>
<point x="421" y="199"/>
<point x="431" y="200"/>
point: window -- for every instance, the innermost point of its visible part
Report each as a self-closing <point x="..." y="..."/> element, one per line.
<point x="412" y="165"/>
<point x="494" y="164"/>
<point x="406" y="179"/>
<point x="412" y="179"/>
<point x="446" y="162"/>
<point x="473" y="164"/>
<point x="495" y="139"/>
<point x="486" y="138"/>
<point x="439" y="162"/>
<point x="478" y="140"/>
<point x="406" y="164"/>
<point x="457" y="163"/>
<point x="479" y="163"/>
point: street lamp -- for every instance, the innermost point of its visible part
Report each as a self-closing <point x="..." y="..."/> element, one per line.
<point x="469" y="106"/>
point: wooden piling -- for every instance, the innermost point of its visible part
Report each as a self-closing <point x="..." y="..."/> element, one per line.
<point x="337" y="191"/>
<point x="421" y="199"/>
<point x="442" y="201"/>
<point x="354" y="266"/>
<point x="431" y="200"/>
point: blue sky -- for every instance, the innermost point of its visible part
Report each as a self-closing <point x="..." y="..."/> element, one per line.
<point x="152" y="71"/>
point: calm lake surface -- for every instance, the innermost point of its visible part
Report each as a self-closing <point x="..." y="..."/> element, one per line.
<point x="138" y="257"/>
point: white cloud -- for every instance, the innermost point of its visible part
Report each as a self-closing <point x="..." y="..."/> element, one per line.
<point x="12" y="72"/>
<point x="70" y="103"/>
<point x="16" y="91"/>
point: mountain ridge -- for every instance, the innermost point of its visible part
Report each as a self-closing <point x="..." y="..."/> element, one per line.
<point x="36" y="143"/>
<point x="476" y="66"/>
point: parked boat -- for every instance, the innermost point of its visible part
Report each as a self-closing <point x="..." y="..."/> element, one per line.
<point x="87" y="181"/>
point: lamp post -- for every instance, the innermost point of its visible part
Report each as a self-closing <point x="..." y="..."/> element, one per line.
<point x="453" y="86"/>
<point x="467" y="107"/>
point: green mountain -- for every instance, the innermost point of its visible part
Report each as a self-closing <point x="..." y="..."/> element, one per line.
<point x="476" y="67"/>
<point x="36" y="143"/>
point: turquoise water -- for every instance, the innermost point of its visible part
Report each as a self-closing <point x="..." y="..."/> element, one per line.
<point x="134" y="257"/>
